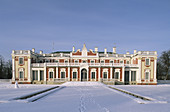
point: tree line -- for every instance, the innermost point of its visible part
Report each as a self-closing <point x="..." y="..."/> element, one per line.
<point x="163" y="67"/>
<point x="5" y="68"/>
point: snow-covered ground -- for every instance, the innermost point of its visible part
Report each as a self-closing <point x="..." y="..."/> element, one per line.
<point x="85" y="97"/>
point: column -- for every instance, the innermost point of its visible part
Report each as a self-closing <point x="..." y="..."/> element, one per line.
<point x="155" y="67"/>
<point x="38" y="75"/>
<point x="99" y="73"/>
<point x="68" y="73"/>
<point x="56" y="72"/>
<point x="138" y="74"/>
<point x="13" y="69"/>
<point x="123" y="74"/>
<point x="130" y="76"/>
<point x="45" y="72"/>
<point x="29" y="69"/>
<point x="111" y="72"/>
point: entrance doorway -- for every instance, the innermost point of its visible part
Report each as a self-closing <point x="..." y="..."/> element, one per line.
<point x="83" y="75"/>
<point x="126" y="77"/>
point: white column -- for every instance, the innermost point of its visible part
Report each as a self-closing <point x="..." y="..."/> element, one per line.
<point x="155" y="67"/>
<point x="45" y="72"/>
<point x="111" y="71"/>
<point x="123" y="73"/>
<point x="38" y="75"/>
<point x="56" y="72"/>
<point x="29" y="69"/>
<point x="13" y="69"/>
<point x="138" y="74"/>
<point x="99" y="73"/>
<point x="130" y="76"/>
<point x="68" y="73"/>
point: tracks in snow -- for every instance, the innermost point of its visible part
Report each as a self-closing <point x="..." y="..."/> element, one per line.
<point x="87" y="98"/>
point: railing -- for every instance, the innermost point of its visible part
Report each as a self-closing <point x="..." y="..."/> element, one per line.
<point x="88" y="64"/>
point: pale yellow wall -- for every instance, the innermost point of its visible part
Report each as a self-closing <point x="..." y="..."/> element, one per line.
<point x="25" y="66"/>
<point x="151" y="67"/>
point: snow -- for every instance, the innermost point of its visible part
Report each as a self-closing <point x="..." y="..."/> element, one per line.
<point x="84" y="97"/>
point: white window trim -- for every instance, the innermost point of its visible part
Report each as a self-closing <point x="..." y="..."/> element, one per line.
<point x="117" y="70"/>
<point x="50" y="70"/>
<point x="93" y="70"/>
<point x="19" y="61"/>
<point x="76" y="75"/>
<point x="63" y="70"/>
<point x="148" y="70"/>
<point x="21" y="70"/>
<point x="145" y="61"/>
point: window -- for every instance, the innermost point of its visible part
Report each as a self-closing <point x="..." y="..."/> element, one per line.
<point x="21" y="75"/>
<point x="116" y="75"/>
<point x="133" y="75"/>
<point x="62" y="74"/>
<point x="74" y="75"/>
<point x="41" y="75"/>
<point x="147" y="75"/>
<point x="121" y="61"/>
<point x="66" y="61"/>
<point x="56" y="61"/>
<point x="21" y="61"/>
<point x="93" y="75"/>
<point x="35" y="74"/>
<point x="84" y="61"/>
<point x="51" y="75"/>
<point x="92" y="61"/>
<point x="111" y="61"/>
<point x="102" y="61"/>
<point x="105" y="75"/>
<point x="76" y="61"/>
<point x="127" y="62"/>
<point x="147" y="62"/>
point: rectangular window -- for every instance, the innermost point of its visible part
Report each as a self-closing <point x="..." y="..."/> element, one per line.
<point x="133" y="75"/>
<point x="35" y="74"/>
<point x="111" y="61"/>
<point x="127" y="62"/>
<point x="74" y="75"/>
<point x="76" y="61"/>
<point x="66" y="61"/>
<point x="102" y="61"/>
<point x="41" y="75"/>
<point x="21" y="75"/>
<point x="92" y="61"/>
<point x="21" y="61"/>
<point x="147" y="75"/>
<point x="93" y="75"/>
<point x="56" y="61"/>
<point x="147" y="62"/>
<point x="105" y="75"/>
<point x="62" y="74"/>
<point x="84" y="61"/>
<point x="121" y="61"/>
<point x="51" y="75"/>
<point x="116" y="75"/>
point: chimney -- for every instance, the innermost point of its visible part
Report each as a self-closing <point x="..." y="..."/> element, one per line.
<point x="73" y="49"/>
<point x="105" y="51"/>
<point x="114" y="50"/>
<point x="135" y="51"/>
<point x="33" y="50"/>
<point x="41" y="52"/>
<point x="96" y="49"/>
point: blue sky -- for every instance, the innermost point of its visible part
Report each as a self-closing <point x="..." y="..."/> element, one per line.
<point x="131" y="24"/>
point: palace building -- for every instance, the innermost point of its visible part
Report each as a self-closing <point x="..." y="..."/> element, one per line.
<point x="30" y="67"/>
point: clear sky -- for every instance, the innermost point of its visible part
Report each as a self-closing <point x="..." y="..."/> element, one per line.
<point x="131" y="24"/>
